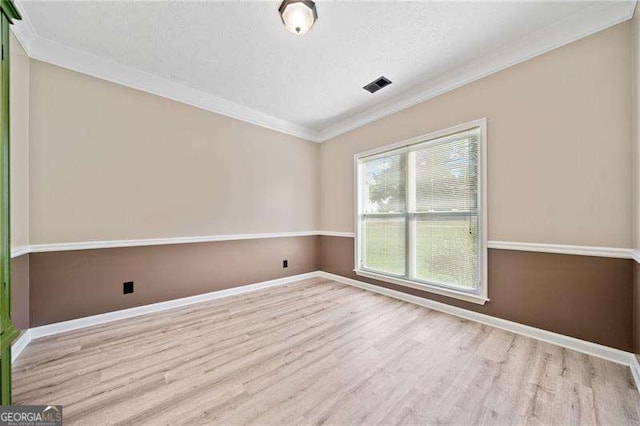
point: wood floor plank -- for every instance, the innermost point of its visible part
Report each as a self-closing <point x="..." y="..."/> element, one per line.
<point x="314" y="352"/>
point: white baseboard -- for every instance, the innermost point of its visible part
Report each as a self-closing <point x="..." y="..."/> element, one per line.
<point x="635" y="371"/>
<point x="65" y="326"/>
<point x="20" y="344"/>
<point x="615" y="355"/>
<point x="578" y="345"/>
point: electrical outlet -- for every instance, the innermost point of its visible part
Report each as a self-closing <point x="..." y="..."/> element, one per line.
<point x="285" y="263"/>
<point x="127" y="287"/>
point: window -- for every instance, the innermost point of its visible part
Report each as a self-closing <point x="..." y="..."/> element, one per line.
<point x="421" y="213"/>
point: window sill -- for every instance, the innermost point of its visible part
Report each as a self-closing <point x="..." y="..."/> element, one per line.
<point x="467" y="297"/>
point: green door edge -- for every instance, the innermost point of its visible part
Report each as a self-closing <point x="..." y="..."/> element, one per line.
<point x="8" y="331"/>
<point x="10" y="11"/>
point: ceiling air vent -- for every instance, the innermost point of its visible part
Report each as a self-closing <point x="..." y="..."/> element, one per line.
<point x="377" y="84"/>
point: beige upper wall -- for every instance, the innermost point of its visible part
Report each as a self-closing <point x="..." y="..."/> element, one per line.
<point x="19" y="131"/>
<point x="559" y="145"/>
<point x="140" y="166"/>
<point x="109" y="162"/>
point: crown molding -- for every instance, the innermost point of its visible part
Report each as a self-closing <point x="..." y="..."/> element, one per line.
<point x="23" y="30"/>
<point x="54" y="53"/>
<point x="63" y="56"/>
<point x="558" y="34"/>
<point x="584" y="23"/>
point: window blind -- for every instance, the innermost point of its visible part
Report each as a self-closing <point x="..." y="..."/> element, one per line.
<point x="446" y="241"/>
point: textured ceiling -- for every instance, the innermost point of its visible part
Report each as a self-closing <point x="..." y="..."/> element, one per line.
<point x="241" y="51"/>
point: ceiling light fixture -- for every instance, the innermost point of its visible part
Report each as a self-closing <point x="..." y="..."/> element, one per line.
<point x="298" y="15"/>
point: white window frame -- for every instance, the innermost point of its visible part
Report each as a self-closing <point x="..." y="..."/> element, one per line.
<point x="479" y="295"/>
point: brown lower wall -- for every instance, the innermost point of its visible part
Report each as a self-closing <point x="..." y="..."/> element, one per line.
<point x="590" y="298"/>
<point x="20" y="291"/>
<point x="636" y="307"/>
<point x="73" y="284"/>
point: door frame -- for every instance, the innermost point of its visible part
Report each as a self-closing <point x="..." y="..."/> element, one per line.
<point x="8" y="331"/>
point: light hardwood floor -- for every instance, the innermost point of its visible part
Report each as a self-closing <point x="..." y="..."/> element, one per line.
<point x="317" y="351"/>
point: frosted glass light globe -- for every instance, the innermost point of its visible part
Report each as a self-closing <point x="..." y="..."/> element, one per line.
<point x="298" y="15"/>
